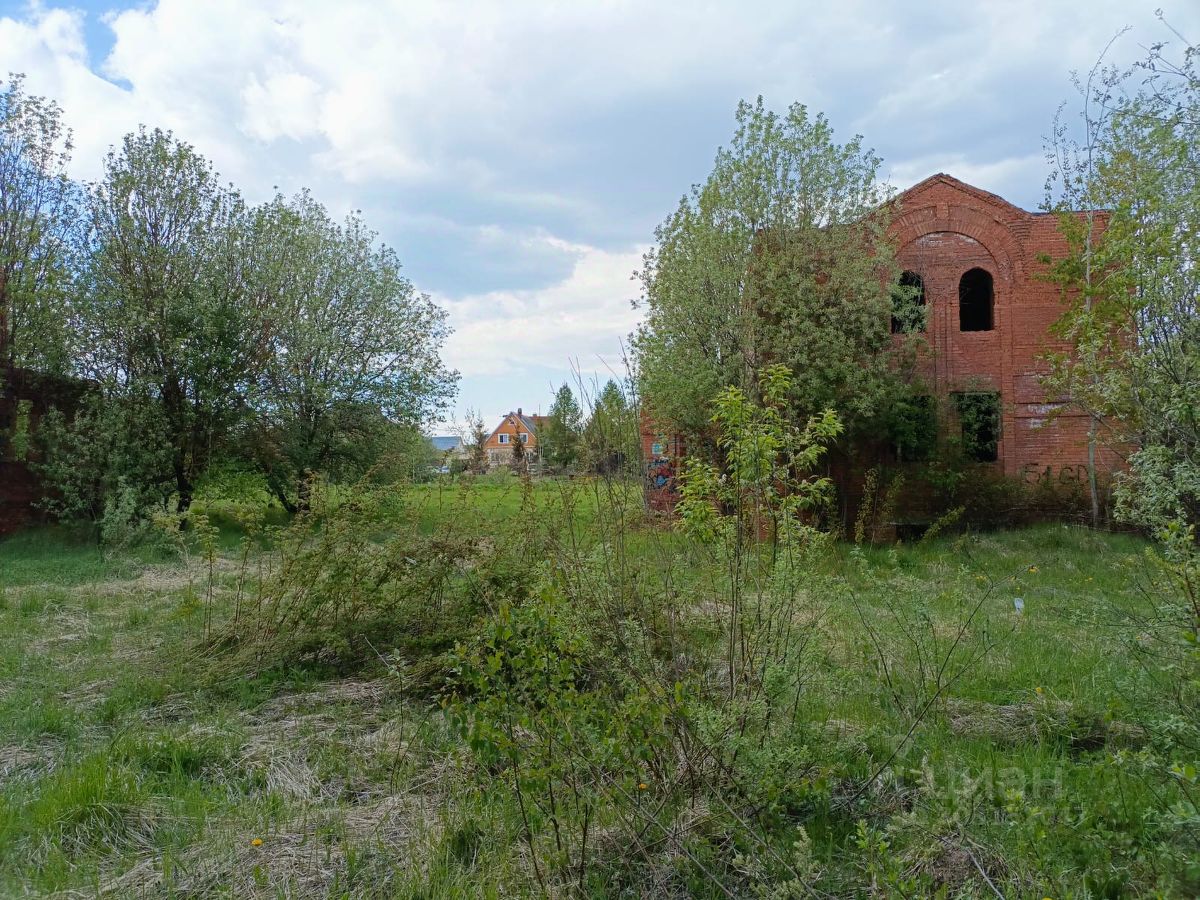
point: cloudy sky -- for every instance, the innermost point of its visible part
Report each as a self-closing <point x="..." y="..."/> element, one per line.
<point x="519" y="154"/>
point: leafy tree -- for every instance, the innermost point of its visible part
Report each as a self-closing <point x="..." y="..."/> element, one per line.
<point x="352" y="347"/>
<point x="168" y="315"/>
<point x="39" y="211"/>
<point x="519" y="461"/>
<point x="611" y="435"/>
<point x="559" y="435"/>
<point x="474" y="438"/>
<point x="1132" y="280"/>
<point x="780" y="257"/>
<point x="108" y="460"/>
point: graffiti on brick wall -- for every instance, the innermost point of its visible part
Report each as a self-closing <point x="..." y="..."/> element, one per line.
<point x="660" y="474"/>
<point x="1037" y="474"/>
<point x="662" y="470"/>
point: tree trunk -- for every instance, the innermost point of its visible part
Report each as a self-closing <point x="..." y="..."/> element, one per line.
<point x="1092" y="481"/>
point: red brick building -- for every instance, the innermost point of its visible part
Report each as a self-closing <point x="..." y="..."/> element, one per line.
<point x="973" y="259"/>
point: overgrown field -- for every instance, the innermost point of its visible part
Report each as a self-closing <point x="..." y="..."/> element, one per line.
<point x="492" y="688"/>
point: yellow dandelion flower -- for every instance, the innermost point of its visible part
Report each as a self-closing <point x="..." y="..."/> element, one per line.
<point x="1039" y="690"/>
<point x="642" y="786"/>
<point x="1033" y="570"/>
<point x="257" y="842"/>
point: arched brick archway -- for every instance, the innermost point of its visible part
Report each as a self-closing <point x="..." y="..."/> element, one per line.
<point x="990" y="232"/>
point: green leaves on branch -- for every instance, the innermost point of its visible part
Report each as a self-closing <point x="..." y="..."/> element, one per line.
<point x="780" y="257"/>
<point x="272" y="336"/>
<point x="39" y="231"/>
<point x="1131" y="279"/>
<point x="766" y="478"/>
<point x="352" y="347"/>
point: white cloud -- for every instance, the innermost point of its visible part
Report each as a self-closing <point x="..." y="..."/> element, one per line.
<point x="414" y="89"/>
<point x="582" y="120"/>
<point x="285" y="104"/>
<point x="1001" y="176"/>
<point x="578" y="322"/>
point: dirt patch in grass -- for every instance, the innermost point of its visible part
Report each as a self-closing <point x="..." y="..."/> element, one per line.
<point x="21" y="761"/>
<point x="321" y="851"/>
<point x="1040" y="721"/>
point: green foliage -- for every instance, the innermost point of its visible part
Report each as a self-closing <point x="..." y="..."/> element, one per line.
<point x="559" y="435"/>
<point x="353" y="572"/>
<point x="168" y="315"/>
<point x="96" y="471"/>
<point x="766" y="478"/>
<point x="19" y="440"/>
<point x="475" y="442"/>
<point x="545" y="710"/>
<point x="351" y="351"/>
<point x="611" y="435"/>
<point x="911" y="423"/>
<point x="39" y="231"/>
<point x="1133" y="321"/>
<point x="780" y="257"/>
<point x="581" y="656"/>
<point x="218" y="333"/>
<point x="518" y="459"/>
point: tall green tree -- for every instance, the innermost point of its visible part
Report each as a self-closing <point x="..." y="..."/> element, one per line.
<point x="39" y="215"/>
<point x="474" y="436"/>
<point x="1132" y="279"/>
<point x="559" y="435"/>
<point x="780" y="257"/>
<point x="168" y="317"/>
<point x="610" y="437"/>
<point x="352" y="347"/>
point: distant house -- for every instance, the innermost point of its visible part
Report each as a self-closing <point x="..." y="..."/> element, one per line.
<point x="514" y="427"/>
<point x="448" y="447"/>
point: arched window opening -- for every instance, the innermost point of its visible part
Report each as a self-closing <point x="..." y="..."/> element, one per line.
<point x="975" y="301"/>
<point x="908" y="304"/>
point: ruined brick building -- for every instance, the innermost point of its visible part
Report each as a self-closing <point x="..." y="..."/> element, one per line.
<point x="973" y="260"/>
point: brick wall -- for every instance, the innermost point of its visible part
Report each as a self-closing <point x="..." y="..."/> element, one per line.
<point x="944" y="228"/>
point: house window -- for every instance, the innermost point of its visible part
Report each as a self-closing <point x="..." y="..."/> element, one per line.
<point x="908" y="304"/>
<point x="979" y="416"/>
<point x="524" y="438"/>
<point x="975" y="301"/>
<point x="503" y="438"/>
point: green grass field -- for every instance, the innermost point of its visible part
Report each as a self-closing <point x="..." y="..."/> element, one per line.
<point x="138" y="757"/>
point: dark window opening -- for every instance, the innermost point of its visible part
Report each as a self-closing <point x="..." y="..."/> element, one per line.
<point x="975" y="300"/>
<point x="979" y="416"/>
<point x="908" y="304"/>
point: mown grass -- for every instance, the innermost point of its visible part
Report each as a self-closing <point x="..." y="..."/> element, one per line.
<point x="133" y="763"/>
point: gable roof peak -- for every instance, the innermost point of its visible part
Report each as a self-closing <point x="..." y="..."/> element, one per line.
<point x="960" y="185"/>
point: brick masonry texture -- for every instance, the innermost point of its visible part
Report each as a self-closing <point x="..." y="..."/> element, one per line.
<point x="943" y="228"/>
